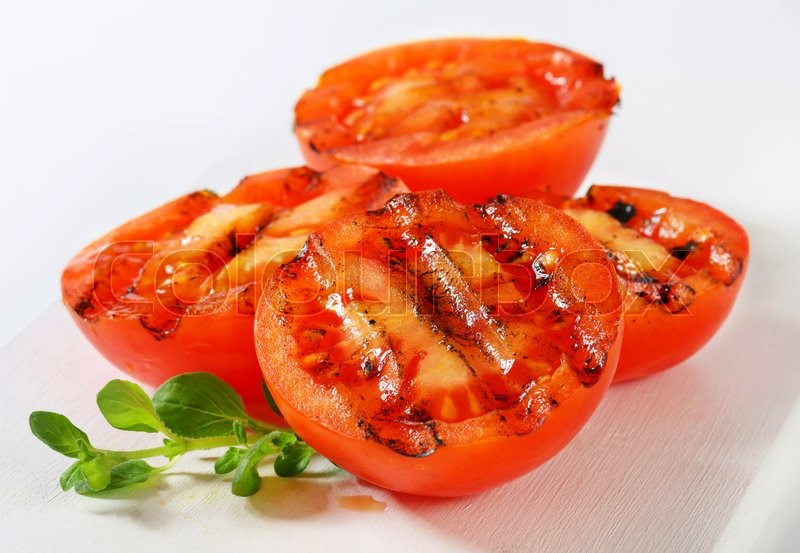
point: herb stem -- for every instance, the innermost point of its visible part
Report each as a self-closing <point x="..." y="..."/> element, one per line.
<point x="178" y="447"/>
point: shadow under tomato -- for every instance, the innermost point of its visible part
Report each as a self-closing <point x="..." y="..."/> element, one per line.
<point x="660" y="466"/>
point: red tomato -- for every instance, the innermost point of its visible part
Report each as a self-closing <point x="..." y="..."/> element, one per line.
<point x="438" y="349"/>
<point x="174" y="290"/>
<point x="475" y="117"/>
<point x="681" y="263"/>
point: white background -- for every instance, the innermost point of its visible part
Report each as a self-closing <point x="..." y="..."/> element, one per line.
<point x="108" y="109"/>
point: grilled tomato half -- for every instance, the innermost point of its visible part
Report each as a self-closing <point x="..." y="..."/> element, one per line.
<point x="175" y="290"/>
<point x="440" y="349"/>
<point x="680" y="262"/>
<point x="476" y="117"/>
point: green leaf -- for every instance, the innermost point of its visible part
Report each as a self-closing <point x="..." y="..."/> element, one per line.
<point x="280" y="439"/>
<point x="293" y="459"/>
<point x="228" y="461"/>
<point x="124" y="474"/>
<point x="72" y="476"/>
<point x="240" y="432"/>
<point x="127" y="407"/>
<point x="97" y="472"/>
<point x="58" y="433"/>
<point x="129" y="472"/>
<point x="269" y="398"/>
<point x="198" y="405"/>
<point x="246" y="480"/>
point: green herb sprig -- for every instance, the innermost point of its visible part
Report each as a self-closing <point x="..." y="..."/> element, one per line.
<point x="194" y="411"/>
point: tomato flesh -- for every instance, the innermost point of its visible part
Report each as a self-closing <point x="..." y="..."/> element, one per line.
<point x="472" y="116"/>
<point x="175" y="290"/>
<point x="415" y="342"/>
<point x="681" y="263"/>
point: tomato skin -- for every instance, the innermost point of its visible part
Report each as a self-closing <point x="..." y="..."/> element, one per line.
<point x="713" y="265"/>
<point x="146" y="336"/>
<point x="657" y="340"/>
<point x="220" y="343"/>
<point x="551" y="153"/>
<point x="328" y="406"/>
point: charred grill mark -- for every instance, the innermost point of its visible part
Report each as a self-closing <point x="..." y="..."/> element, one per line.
<point x="677" y="297"/>
<point x="622" y="211"/>
<point x="233" y="245"/>
<point x="435" y="432"/>
<point x="738" y="266"/>
<point x="83" y="306"/>
<point x="507" y="219"/>
<point x="408" y="438"/>
<point x="592" y="368"/>
<point x="673" y="296"/>
<point x="663" y="291"/>
<point x="456" y="308"/>
<point x="682" y="252"/>
<point x="159" y="330"/>
<point x="650" y="290"/>
<point x="504" y="248"/>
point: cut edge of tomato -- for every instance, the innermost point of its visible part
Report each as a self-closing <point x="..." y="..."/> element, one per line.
<point x="504" y="142"/>
<point x="396" y="58"/>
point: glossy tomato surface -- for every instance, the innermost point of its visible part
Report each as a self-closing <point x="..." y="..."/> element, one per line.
<point x="681" y="263"/>
<point x="174" y="290"/>
<point x="440" y="349"/>
<point x="476" y="117"/>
